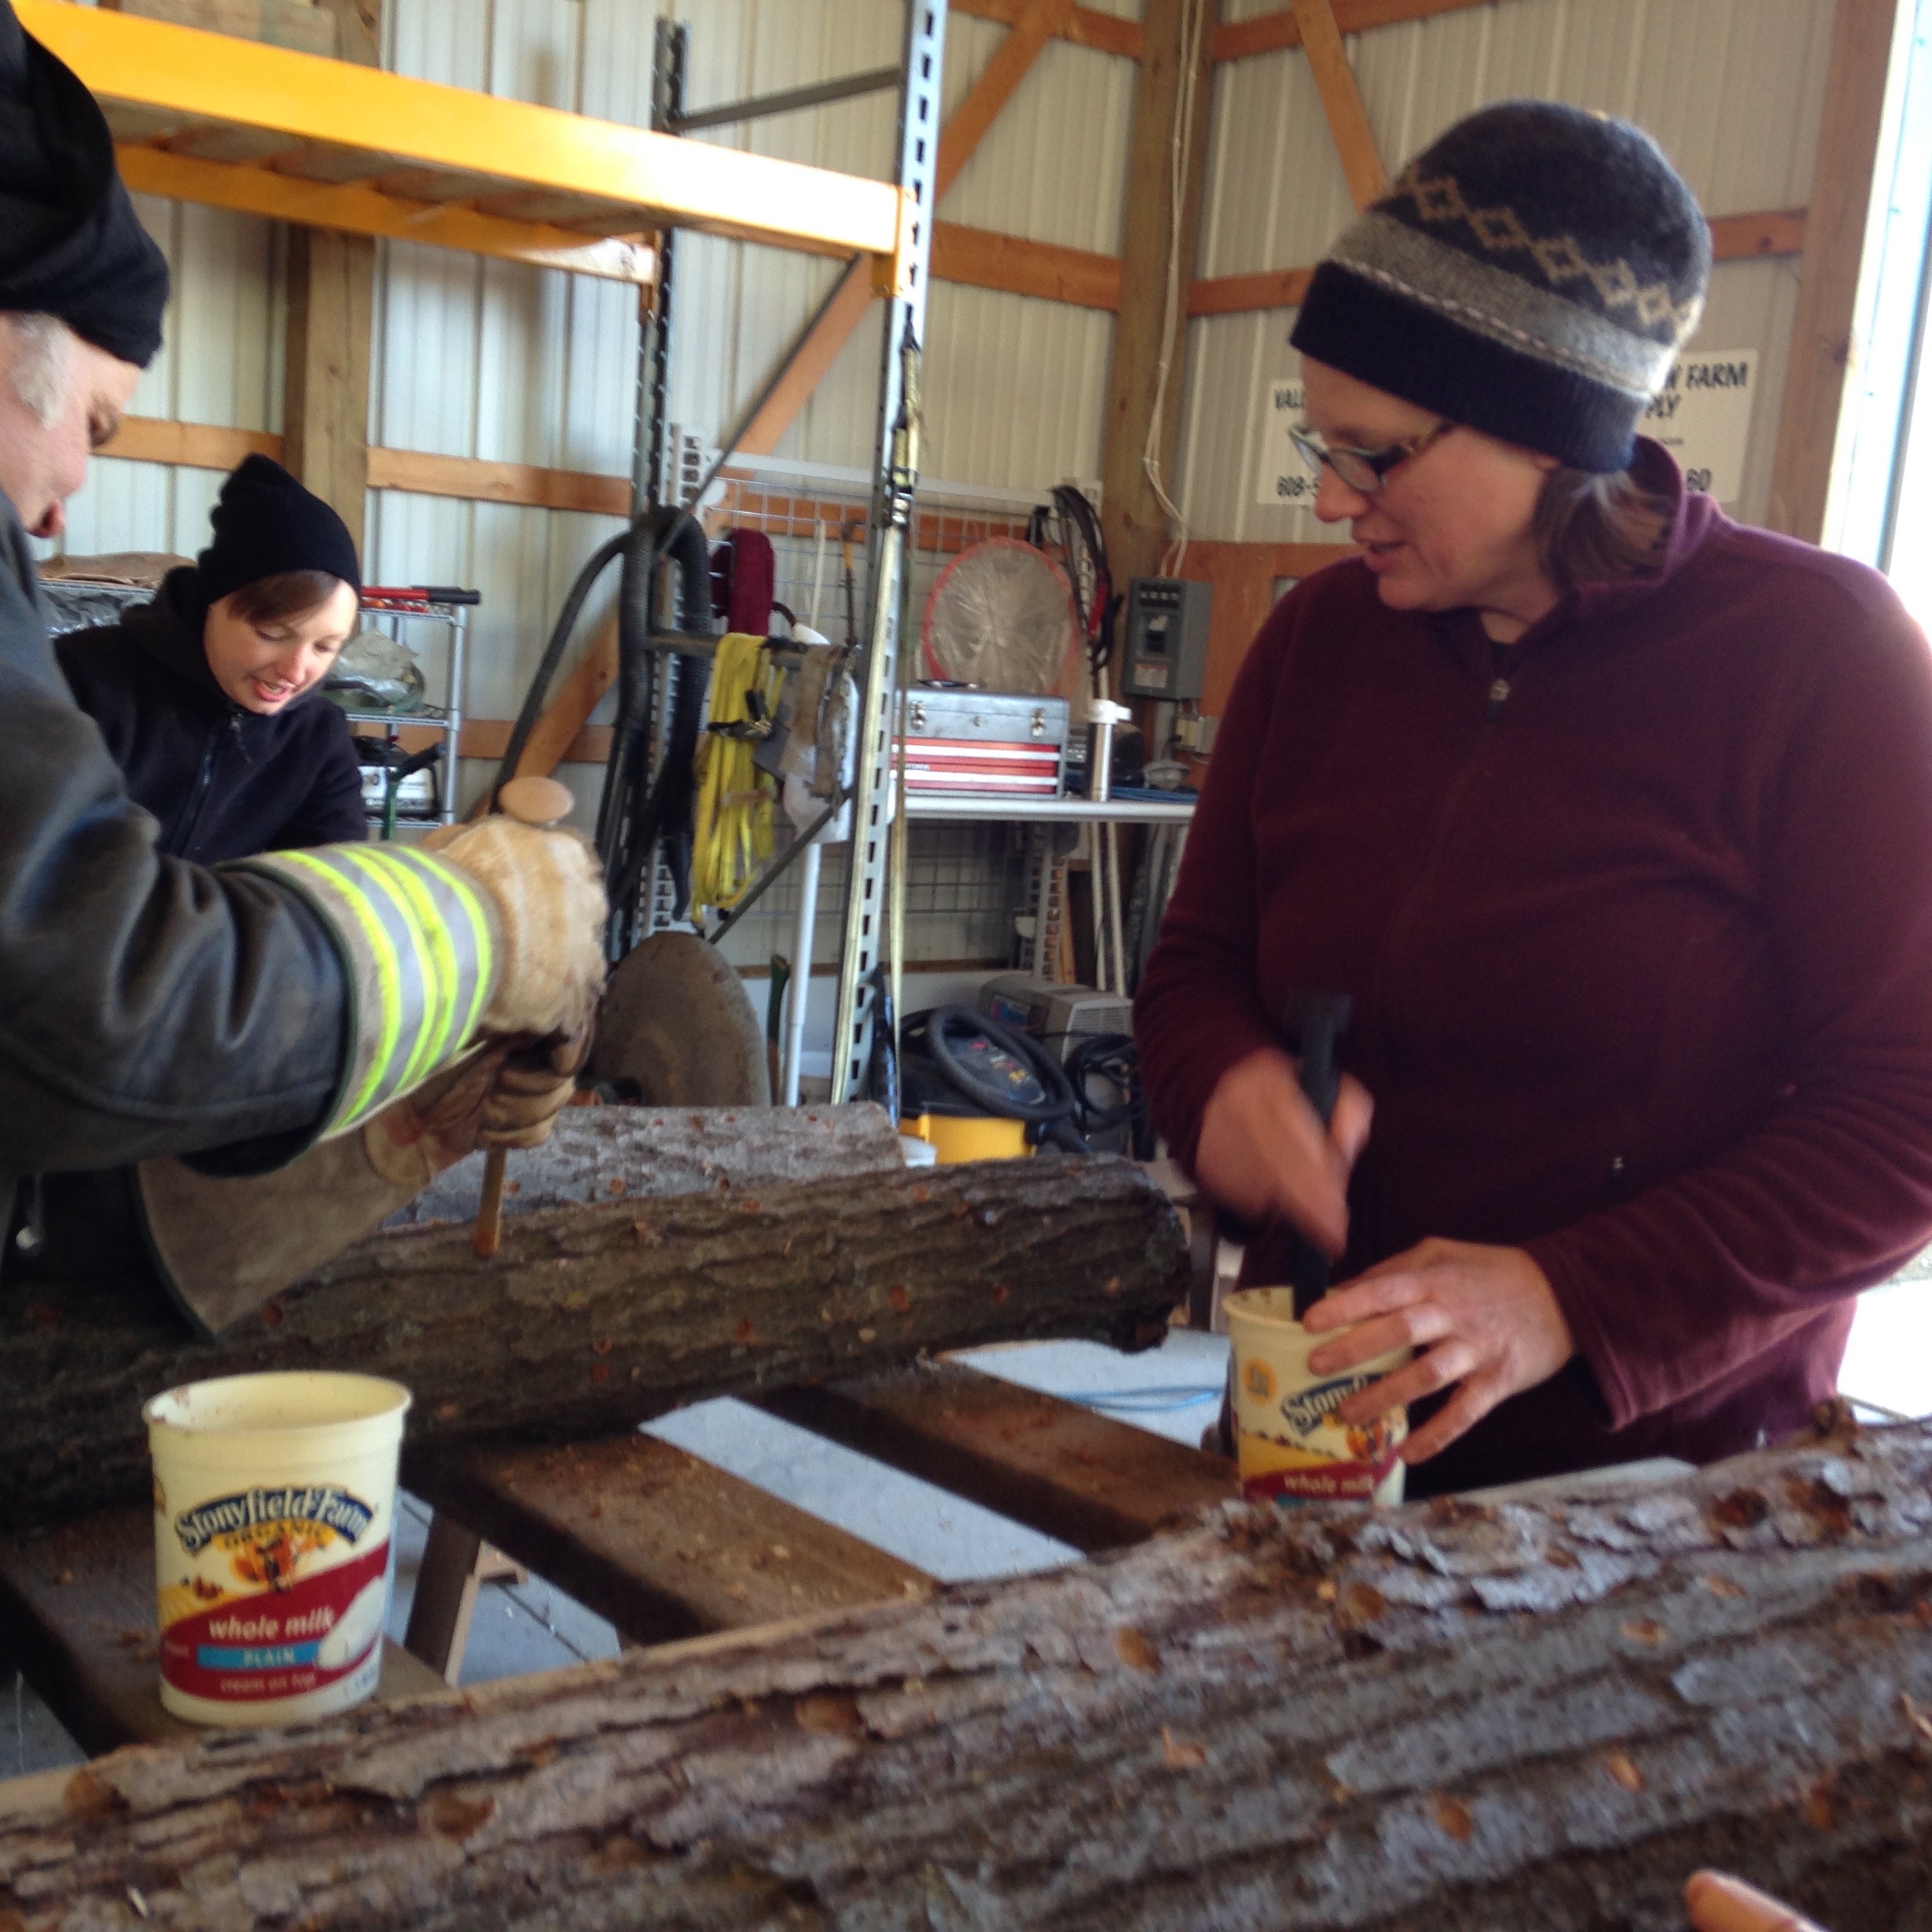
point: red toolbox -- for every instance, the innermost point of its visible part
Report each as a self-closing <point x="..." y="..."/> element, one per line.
<point x="959" y="738"/>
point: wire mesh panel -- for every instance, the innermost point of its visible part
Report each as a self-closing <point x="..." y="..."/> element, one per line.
<point x="965" y="882"/>
<point x="818" y="534"/>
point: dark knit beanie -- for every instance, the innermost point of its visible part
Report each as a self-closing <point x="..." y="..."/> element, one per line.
<point x="70" y="243"/>
<point x="1533" y="274"/>
<point x="265" y="524"/>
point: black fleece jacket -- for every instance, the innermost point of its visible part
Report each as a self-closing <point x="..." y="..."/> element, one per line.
<point x="224" y="782"/>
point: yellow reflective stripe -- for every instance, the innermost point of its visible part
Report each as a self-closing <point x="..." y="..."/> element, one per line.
<point x="388" y="972"/>
<point x="427" y="938"/>
<point x="458" y="883"/>
<point x="443" y="1000"/>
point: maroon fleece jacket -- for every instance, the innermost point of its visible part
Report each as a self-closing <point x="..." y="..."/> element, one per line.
<point x="1640" y="942"/>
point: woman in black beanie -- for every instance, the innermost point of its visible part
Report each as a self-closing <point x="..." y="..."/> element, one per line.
<point x="1613" y="819"/>
<point x="209" y="698"/>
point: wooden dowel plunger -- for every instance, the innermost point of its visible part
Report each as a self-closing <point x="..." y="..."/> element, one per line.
<point x="532" y="801"/>
<point x="487" y="1237"/>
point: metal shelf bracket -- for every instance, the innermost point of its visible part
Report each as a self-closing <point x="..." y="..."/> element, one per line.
<point x="892" y="497"/>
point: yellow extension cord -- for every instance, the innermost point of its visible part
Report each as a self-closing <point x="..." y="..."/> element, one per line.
<point x="734" y="830"/>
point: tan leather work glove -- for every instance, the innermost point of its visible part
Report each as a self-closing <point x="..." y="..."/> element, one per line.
<point x="225" y="1245"/>
<point x="412" y="1139"/>
<point x="534" y="1087"/>
<point x="551" y="909"/>
<point x="507" y="1094"/>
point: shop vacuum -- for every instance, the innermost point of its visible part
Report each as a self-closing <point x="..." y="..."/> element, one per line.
<point x="976" y="1088"/>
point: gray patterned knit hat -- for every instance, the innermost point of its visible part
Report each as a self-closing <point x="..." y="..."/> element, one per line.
<point x="1533" y="274"/>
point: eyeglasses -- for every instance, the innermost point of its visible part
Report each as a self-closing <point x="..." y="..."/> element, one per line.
<point x="1364" y="470"/>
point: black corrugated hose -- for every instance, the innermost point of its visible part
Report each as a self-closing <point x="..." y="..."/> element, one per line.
<point x="629" y="818"/>
<point x="540" y="685"/>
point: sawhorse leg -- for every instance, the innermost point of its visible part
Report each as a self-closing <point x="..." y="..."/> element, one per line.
<point x="456" y="1563"/>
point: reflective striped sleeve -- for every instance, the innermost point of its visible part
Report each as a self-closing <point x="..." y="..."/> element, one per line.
<point x="418" y="940"/>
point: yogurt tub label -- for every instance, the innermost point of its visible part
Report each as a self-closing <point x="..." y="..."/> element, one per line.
<point x="1291" y="1441"/>
<point x="1311" y="1454"/>
<point x="278" y="1592"/>
<point x="274" y="1497"/>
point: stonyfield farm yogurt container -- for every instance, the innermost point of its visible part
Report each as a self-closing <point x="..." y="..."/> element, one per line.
<point x="1290" y="1445"/>
<point x="274" y="1496"/>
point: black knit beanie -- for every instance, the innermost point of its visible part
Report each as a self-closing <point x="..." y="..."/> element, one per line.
<point x="266" y="523"/>
<point x="1533" y="274"/>
<point x="70" y="243"/>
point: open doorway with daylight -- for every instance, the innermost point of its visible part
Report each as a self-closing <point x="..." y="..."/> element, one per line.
<point x="1880" y="508"/>
<point x="1881" y="511"/>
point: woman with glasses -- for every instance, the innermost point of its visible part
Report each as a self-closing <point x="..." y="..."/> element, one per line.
<point x="1613" y="819"/>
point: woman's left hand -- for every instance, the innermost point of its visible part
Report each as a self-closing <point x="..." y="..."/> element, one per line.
<point x="1486" y="1319"/>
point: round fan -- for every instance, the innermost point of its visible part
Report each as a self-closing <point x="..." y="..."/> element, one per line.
<point x="1002" y="616"/>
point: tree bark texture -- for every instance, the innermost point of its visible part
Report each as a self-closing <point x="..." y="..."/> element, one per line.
<point x="593" y="1319"/>
<point x="1456" y="1715"/>
<point x="595" y="1154"/>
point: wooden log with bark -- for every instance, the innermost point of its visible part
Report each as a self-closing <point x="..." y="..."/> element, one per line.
<point x="593" y="1319"/>
<point x="1454" y="1716"/>
<point x="595" y="1154"/>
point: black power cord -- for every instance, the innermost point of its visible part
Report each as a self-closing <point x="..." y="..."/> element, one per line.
<point x="1083" y="546"/>
<point x="1108" y="1057"/>
<point x="605" y="554"/>
<point x="1015" y="1076"/>
<point x="632" y="818"/>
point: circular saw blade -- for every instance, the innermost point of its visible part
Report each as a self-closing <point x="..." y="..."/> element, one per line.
<point x="676" y="1026"/>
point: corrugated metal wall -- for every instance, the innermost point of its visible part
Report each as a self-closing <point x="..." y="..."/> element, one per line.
<point x="220" y="363"/>
<point x="497" y="360"/>
<point x="1052" y="170"/>
<point x="1731" y="88"/>
<point x="1019" y="386"/>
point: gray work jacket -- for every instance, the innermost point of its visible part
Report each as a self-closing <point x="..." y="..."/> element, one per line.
<point x="146" y="1006"/>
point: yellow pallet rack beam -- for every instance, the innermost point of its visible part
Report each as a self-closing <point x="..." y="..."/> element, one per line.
<point x="207" y="118"/>
<point x="359" y="210"/>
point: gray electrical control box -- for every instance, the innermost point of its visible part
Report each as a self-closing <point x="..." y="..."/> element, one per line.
<point x="1166" y="638"/>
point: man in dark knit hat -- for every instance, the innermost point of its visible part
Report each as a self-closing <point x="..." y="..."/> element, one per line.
<point x="1614" y="818"/>
<point x="82" y="285"/>
<point x="290" y="1002"/>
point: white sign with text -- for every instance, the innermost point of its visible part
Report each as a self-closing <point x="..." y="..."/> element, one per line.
<point x="1284" y="480"/>
<point x="1702" y="417"/>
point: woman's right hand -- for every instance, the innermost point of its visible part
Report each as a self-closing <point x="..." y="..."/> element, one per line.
<point x="1264" y="1153"/>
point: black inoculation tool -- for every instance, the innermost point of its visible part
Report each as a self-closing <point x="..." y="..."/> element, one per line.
<point x="1313" y="1023"/>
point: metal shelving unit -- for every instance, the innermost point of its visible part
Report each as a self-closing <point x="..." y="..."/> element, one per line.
<point x="331" y="144"/>
<point x="659" y="481"/>
<point x="1169" y="819"/>
<point x="205" y="117"/>
<point x="393" y="608"/>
